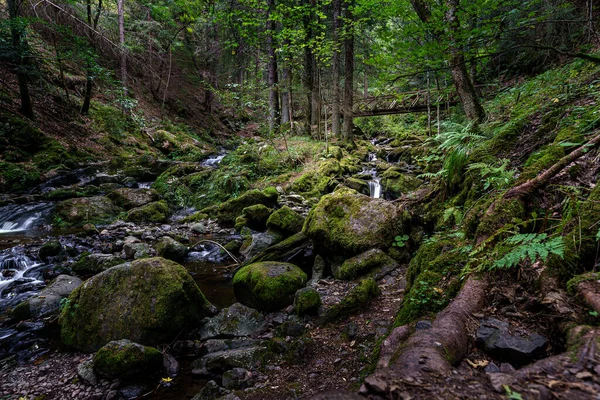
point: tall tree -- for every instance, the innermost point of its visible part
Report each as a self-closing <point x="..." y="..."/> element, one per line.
<point x="335" y="65"/>
<point x="20" y="58"/>
<point x="272" y="76"/>
<point x="348" y="71"/>
<point x="89" y="73"/>
<point x="121" y="15"/>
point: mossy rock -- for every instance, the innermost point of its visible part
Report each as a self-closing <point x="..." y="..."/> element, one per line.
<point x="96" y="210"/>
<point x="132" y="198"/>
<point x="286" y="220"/>
<point x="425" y="296"/>
<point x="336" y="152"/>
<point x="503" y="212"/>
<point x="438" y="256"/>
<point x="359" y="185"/>
<point x="359" y="265"/>
<point x="122" y="358"/>
<point x="157" y="212"/>
<point x="95" y="263"/>
<point x="349" y="224"/>
<point x="357" y="298"/>
<point x="330" y="167"/>
<point x="47" y="302"/>
<point x="50" y="249"/>
<point x="226" y="213"/>
<point x="148" y="301"/>
<point x="307" y="301"/>
<point x="171" y="249"/>
<point x="284" y="250"/>
<point x="268" y="286"/>
<point x="311" y="184"/>
<point x="396" y="183"/>
<point x="256" y="216"/>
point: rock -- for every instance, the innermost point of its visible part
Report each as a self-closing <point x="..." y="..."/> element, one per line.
<point x="171" y="249"/>
<point x="268" y="286"/>
<point x="97" y="210"/>
<point x="85" y="370"/>
<point x="423" y="325"/>
<point x="148" y="301"/>
<point x="491" y="368"/>
<point x="211" y="391"/>
<point x="359" y="185"/>
<point x="307" y="301"/>
<point x="122" y="358"/>
<point x="216" y="345"/>
<point x="170" y="365"/>
<point x="358" y="265"/>
<point x="358" y="296"/>
<point x="133" y="248"/>
<point x="95" y="263"/>
<point x="346" y="225"/>
<point x="227" y="212"/>
<point x="318" y="268"/>
<point x="396" y="183"/>
<point x="47" y="302"/>
<point x="237" y="378"/>
<point x="499" y="380"/>
<point x="260" y="241"/>
<point x="235" y="321"/>
<point x="293" y="249"/>
<point x="222" y="361"/>
<point x="50" y="249"/>
<point x="494" y="338"/>
<point x="132" y="198"/>
<point x="255" y="217"/>
<point x="337" y="395"/>
<point x="286" y="220"/>
<point x="157" y="212"/>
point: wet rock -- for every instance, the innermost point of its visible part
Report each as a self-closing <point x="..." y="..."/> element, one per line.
<point x="347" y="225"/>
<point x="97" y="210"/>
<point x="50" y="249"/>
<point x="122" y="358"/>
<point x="95" y="263"/>
<point x="260" y="241"/>
<point x="132" y="198"/>
<point x="170" y="249"/>
<point x="85" y="370"/>
<point x="268" y="286"/>
<point x="307" y="301"/>
<point x="286" y="220"/>
<point x="210" y="392"/>
<point x="222" y="361"/>
<point x="156" y="212"/>
<point x="148" y="301"/>
<point x="494" y="338"/>
<point x="358" y="265"/>
<point x="237" y="378"/>
<point x="48" y="301"/>
<point x="170" y="365"/>
<point x="235" y="321"/>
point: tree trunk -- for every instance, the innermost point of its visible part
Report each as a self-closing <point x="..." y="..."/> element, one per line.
<point x="89" y="78"/>
<point x="272" y="70"/>
<point x="308" y="78"/>
<point x="464" y="86"/>
<point x="121" y="13"/>
<point x="349" y="75"/>
<point x="335" y="106"/>
<point x="285" y="94"/>
<point x="19" y="47"/>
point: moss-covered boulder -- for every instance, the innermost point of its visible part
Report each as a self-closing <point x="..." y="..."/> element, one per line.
<point x="132" y="198"/>
<point x="311" y="184"/>
<point x="286" y="250"/>
<point x="227" y="212"/>
<point x="286" y="220"/>
<point x="330" y="167"/>
<point x="396" y="183"/>
<point x="97" y="210"/>
<point x="49" y="249"/>
<point x="349" y="224"/>
<point x="231" y="322"/>
<point x="121" y="358"/>
<point x="156" y="212"/>
<point x="259" y="242"/>
<point x="358" y="297"/>
<point x="171" y="249"/>
<point x="148" y="301"/>
<point x="95" y="263"/>
<point x="359" y="185"/>
<point x="307" y="301"/>
<point x="268" y="286"/>
<point x="254" y="217"/>
<point x="359" y="265"/>
<point x="46" y="302"/>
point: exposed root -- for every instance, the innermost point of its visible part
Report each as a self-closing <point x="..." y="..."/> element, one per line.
<point x="590" y="292"/>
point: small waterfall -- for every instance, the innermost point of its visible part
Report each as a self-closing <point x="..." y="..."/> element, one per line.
<point x="374" y="183"/>
<point x="213" y="161"/>
<point x="18" y="218"/>
<point x="375" y="188"/>
<point x="18" y="277"/>
<point x="144" y="185"/>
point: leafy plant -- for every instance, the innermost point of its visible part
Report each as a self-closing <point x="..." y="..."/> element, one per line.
<point x="400" y="241"/>
<point x="496" y="175"/>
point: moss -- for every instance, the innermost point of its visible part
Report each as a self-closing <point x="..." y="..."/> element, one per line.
<point x="357" y="298"/>
<point x="86" y="264"/>
<point x="147" y="301"/>
<point x="157" y="211"/>
<point x="576" y="280"/>
<point x="307" y="302"/>
<point x="80" y="211"/>
<point x="268" y="286"/>
<point x="359" y="185"/>
<point x="312" y="183"/>
<point x="540" y="161"/>
<point x="64" y="194"/>
<point x="227" y="212"/>
<point x="396" y="183"/>
<point x="18" y="177"/>
<point x="122" y="358"/>
<point x="437" y="256"/>
<point x="285" y="219"/>
<point x="363" y="263"/>
<point x="256" y="216"/>
<point x="504" y="212"/>
<point x="425" y="296"/>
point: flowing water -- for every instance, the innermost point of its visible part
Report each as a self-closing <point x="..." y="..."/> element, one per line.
<point x="20" y="277"/>
<point x="23" y="217"/>
<point x="374" y="183"/>
<point x="214" y="160"/>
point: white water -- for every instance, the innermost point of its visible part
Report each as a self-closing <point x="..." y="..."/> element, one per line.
<point x="14" y="267"/>
<point x="375" y="188"/>
<point x="18" y="218"/>
<point x="144" y="185"/>
<point x="213" y="160"/>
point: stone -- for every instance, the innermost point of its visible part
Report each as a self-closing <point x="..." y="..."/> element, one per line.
<point x="286" y="220"/>
<point x="147" y="301"/>
<point x="211" y="391"/>
<point x="499" y="380"/>
<point x="50" y="249"/>
<point x="237" y="378"/>
<point x="96" y="210"/>
<point x="123" y="357"/>
<point x="132" y="198"/>
<point x="156" y="212"/>
<point x="222" y="361"/>
<point x="359" y="265"/>
<point x="307" y="301"/>
<point x="133" y="248"/>
<point x="95" y="263"/>
<point x="171" y="249"/>
<point x="396" y="183"/>
<point x="227" y="212"/>
<point x="268" y="286"/>
<point x="48" y="301"/>
<point x="256" y="216"/>
<point x="423" y="325"/>
<point x="85" y="370"/>
<point x="494" y="338"/>
<point x="234" y="321"/>
<point x="260" y="241"/>
<point x="170" y="365"/>
<point x="347" y="225"/>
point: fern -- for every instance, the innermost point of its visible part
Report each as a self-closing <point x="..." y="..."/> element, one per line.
<point x="495" y="176"/>
<point x="529" y="246"/>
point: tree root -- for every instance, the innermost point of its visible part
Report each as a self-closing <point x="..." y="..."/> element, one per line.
<point x="590" y="292"/>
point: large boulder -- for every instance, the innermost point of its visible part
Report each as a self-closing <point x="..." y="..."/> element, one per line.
<point x="348" y="224"/>
<point x="97" y="210"/>
<point x="235" y="321"/>
<point x="227" y="212"/>
<point x="94" y="263"/>
<point x="359" y="265"/>
<point x="171" y="249"/>
<point x="268" y="286"/>
<point x="121" y="358"/>
<point x="47" y="302"/>
<point x="286" y="220"/>
<point x="396" y="183"/>
<point x="148" y="301"/>
<point x="157" y="212"/>
<point x="132" y="198"/>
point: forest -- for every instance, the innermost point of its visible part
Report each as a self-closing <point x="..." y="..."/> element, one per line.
<point x="299" y="199"/>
